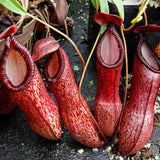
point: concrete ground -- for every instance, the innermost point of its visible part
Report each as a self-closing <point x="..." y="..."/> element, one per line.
<point x="19" y="142"/>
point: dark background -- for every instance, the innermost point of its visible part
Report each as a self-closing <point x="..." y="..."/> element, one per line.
<point x="19" y="142"/>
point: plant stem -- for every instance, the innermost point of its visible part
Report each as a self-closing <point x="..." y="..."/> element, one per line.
<point x="80" y="85"/>
<point x="129" y="28"/>
<point x="126" y="81"/>
<point x="125" y="91"/>
<point x="88" y="60"/>
<point x="61" y="33"/>
<point x="145" y="17"/>
<point x="141" y="11"/>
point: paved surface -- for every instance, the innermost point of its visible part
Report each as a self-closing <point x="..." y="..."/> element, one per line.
<point x="19" y="142"/>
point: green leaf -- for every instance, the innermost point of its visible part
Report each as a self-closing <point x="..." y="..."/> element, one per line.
<point x="151" y="3"/>
<point x="120" y="7"/>
<point x="156" y="5"/>
<point x="91" y="83"/>
<point x="14" y="6"/>
<point x="104" y="6"/>
<point x="95" y="4"/>
<point x="105" y="9"/>
<point x="76" y="68"/>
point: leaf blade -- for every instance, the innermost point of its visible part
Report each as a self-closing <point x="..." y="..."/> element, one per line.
<point x="120" y="7"/>
<point x="96" y="4"/>
<point x="104" y="9"/>
<point x="104" y="6"/>
<point x="14" y="6"/>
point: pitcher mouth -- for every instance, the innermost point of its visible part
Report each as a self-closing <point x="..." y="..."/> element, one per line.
<point x="147" y="56"/>
<point x="17" y="66"/>
<point x="110" y="50"/>
<point x="54" y="66"/>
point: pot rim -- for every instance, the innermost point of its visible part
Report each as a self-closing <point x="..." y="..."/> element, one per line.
<point x="130" y="2"/>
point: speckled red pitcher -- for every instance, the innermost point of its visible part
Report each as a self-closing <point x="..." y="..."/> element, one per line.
<point x="22" y="78"/>
<point x="137" y="122"/>
<point x="109" y="56"/>
<point x="7" y="103"/>
<point x="60" y="78"/>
